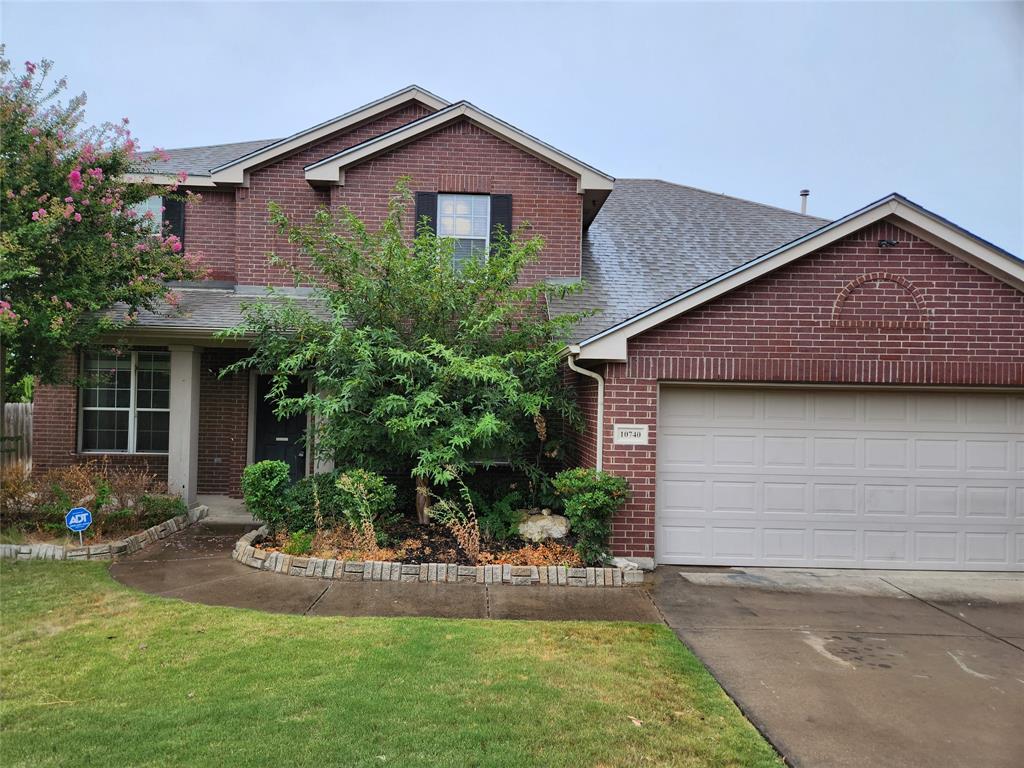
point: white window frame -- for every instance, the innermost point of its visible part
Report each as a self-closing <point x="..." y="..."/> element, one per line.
<point x="487" y="231"/>
<point x="132" y="410"/>
<point x="143" y="207"/>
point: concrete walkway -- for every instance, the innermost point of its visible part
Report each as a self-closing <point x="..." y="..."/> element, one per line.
<point x="860" y="668"/>
<point x="196" y="565"/>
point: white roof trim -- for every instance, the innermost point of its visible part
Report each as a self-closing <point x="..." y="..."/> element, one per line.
<point x="612" y="343"/>
<point x="168" y="179"/>
<point x="331" y="170"/>
<point x="234" y="172"/>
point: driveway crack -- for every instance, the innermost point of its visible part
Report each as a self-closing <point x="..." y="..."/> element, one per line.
<point x="952" y="615"/>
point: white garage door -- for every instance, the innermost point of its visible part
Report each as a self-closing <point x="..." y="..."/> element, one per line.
<point x="840" y="478"/>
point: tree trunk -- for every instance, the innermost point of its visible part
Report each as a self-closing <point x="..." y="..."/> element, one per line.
<point x="422" y="501"/>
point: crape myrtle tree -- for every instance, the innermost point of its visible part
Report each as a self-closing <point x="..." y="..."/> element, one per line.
<point x="71" y="245"/>
<point x="416" y="365"/>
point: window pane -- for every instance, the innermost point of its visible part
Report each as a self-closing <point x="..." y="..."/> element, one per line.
<point x="153" y="380"/>
<point x="105" y="430"/>
<point x="108" y="381"/>
<point x="152" y="429"/>
<point x="467" y="249"/>
<point x="151" y="210"/>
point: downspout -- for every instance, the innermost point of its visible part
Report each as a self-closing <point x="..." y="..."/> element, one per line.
<point x="574" y="352"/>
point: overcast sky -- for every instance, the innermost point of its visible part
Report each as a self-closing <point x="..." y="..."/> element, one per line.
<point x="755" y="100"/>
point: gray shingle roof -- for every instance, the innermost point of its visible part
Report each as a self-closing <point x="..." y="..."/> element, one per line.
<point x="653" y="240"/>
<point x="199" y="310"/>
<point x="197" y="161"/>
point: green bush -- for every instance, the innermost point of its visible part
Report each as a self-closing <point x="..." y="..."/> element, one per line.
<point x="155" y="509"/>
<point x="366" y="498"/>
<point x="264" y="488"/>
<point x="590" y="500"/>
<point x="301" y="502"/>
<point x="499" y="516"/>
<point x="299" y="543"/>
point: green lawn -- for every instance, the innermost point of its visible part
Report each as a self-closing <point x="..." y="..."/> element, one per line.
<point x="93" y="673"/>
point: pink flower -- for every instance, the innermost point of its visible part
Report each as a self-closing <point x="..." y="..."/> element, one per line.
<point x="182" y="176"/>
<point x="39" y="215"/>
<point x="75" y="180"/>
<point x="78" y="217"/>
<point x="96" y="173"/>
<point x="67" y="305"/>
<point x="30" y="67"/>
<point x="173" y="298"/>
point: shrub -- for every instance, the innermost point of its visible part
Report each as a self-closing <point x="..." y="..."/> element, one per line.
<point x="313" y="503"/>
<point x="17" y="494"/>
<point x="366" y="499"/>
<point x="155" y="509"/>
<point x="499" y="518"/>
<point x="590" y="500"/>
<point x="119" y="498"/>
<point x="264" y="488"/>
<point x="299" y="543"/>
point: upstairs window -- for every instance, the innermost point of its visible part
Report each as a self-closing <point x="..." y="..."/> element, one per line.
<point x="125" y="402"/>
<point x="467" y="220"/>
<point x="166" y="213"/>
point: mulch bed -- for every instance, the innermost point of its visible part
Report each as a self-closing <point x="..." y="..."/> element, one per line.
<point x="410" y="542"/>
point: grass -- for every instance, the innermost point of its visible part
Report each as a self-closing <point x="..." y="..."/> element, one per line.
<point x="95" y="674"/>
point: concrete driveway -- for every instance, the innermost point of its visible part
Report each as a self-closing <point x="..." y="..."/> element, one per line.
<point x="862" y="668"/>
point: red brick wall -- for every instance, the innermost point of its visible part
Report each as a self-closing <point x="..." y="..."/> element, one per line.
<point x="210" y="232"/>
<point x="229" y="228"/>
<point x="223" y="423"/>
<point x="948" y="323"/>
<point x="465" y="158"/>
<point x="284" y="182"/>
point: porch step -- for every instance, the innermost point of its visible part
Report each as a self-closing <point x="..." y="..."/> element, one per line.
<point x="234" y="525"/>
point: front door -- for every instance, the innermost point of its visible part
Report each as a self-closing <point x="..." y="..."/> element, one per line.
<point x="280" y="439"/>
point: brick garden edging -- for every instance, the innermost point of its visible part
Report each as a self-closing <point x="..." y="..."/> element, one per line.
<point x="246" y="553"/>
<point x="109" y="551"/>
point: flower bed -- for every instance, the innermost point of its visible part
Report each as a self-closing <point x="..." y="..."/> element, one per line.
<point x="108" y="551"/>
<point x="249" y="552"/>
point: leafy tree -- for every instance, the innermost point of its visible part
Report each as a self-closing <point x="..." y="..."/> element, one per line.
<point x="71" y="245"/>
<point x="416" y="365"/>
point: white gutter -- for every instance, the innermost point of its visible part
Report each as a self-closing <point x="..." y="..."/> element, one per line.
<point x="574" y="352"/>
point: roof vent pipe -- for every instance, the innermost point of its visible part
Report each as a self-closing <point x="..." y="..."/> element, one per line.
<point x="803" y="200"/>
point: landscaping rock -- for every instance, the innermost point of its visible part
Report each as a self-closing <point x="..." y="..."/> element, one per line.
<point x="541" y="527"/>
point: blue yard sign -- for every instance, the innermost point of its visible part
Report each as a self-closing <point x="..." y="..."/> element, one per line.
<point x="78" y="519"/>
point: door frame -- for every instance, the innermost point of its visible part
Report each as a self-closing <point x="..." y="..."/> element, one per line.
<point x="250" y="427"/>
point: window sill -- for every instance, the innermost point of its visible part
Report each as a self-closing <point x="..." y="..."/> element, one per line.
<point x="123" y="453"/>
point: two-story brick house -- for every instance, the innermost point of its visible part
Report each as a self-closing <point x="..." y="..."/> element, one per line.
<point x="778" y="389"/>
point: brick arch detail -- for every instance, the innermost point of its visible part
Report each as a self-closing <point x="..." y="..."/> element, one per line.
<point x="912" y="290"/>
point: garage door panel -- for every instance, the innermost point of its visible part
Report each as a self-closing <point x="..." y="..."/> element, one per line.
<point x="832" y="478"/>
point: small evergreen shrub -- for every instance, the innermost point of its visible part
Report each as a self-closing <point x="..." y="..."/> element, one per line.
<point x="264" y="488"/>
<point x="590" y="500"/>
<point x="155" y="509"/>
<point x="312" y="496"/>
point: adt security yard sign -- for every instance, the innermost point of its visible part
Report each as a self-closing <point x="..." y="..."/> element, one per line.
<point x="78" y="519"/>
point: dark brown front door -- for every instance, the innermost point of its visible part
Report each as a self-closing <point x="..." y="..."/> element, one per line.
<point x="280" y="439"/>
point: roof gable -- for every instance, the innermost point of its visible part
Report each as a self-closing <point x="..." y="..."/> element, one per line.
<point x="331" y="170"/>
<point x="233" y="172"/>
<point x="611" y="343"/>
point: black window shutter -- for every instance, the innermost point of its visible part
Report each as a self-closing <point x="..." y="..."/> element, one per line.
<point x="501" y="214"/>
<point x="426" y="207"/>
<point x="174" y="217"/>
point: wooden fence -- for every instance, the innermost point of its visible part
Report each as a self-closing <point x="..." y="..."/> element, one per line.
<point x="17" y="445"/>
